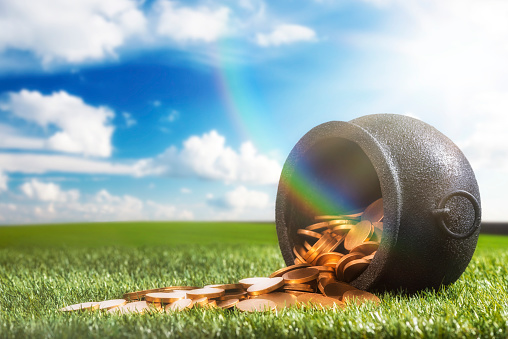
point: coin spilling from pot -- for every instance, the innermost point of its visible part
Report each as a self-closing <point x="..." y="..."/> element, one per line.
<point x="333" y="252"/>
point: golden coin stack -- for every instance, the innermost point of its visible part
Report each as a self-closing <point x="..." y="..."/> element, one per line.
<point x="334" y="251"/>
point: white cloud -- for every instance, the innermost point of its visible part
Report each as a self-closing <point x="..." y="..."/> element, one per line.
<point x="82" y="128"/>
<point x="185" y="190"/>
<point x="168" y="212"/>
<point x="241" y="198"/>
<point x="129" y="120"/>
<point x="47" y="202"/>
<point x="38" y="190"/>
<point x="42" y="163"/>
<point x="208" y="157"/>
<point x="191" y="24"/>
<point x="449" y="67"/>
<point x="285" y="34"/>
<point x="14" y="139"/>
<point x="3" y="181"/>
<point x="74" y="31"/>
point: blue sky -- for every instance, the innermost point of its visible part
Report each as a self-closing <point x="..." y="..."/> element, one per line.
<point x="167" y="110"/>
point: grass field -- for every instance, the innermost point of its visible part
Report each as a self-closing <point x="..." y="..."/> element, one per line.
<point x="43" y="268"/>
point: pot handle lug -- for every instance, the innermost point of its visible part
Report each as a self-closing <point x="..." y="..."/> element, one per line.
<point x="440" y="212"/>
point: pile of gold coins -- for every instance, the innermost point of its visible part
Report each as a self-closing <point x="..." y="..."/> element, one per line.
<point x="342" y="247"/>
<point x="334" y="251"/>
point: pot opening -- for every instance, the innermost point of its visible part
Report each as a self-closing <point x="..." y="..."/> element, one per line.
<point x="333" y="177"/>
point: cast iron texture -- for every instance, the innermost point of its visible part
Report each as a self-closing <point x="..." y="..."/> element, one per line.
<point x="431" y="198"/>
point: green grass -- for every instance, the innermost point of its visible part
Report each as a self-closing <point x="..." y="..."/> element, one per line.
<point x="46" y="267"/>
<point x="136" y="234"/>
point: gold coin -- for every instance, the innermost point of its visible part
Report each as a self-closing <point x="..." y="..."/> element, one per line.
<point x="134" y="307"/>
<point x="370" y="256"/>
<point x="338" y="223"/>
<point x="179" y="305"/>
<point x="176" y="288"/>
<point x="211" y="304"/>
<point x="339" y="269"/>
<point x="205" y="292"/>
<point x="319" y="300"/>
<point x="301" y="275"/>
<point x="358" y="234"/>
<point x="330" y="245"/>
<point x="283" y="270"/>
<point x="338" y="217"/>
<point x="326" y="276"/>
<point x="297" y="293"/>
<point x="256" y="305"/>
<point x="247" y="282"/>
<point x="109" y="304"/>
<point x="354" y="215"/>
<point x="333" y="244"/>
<point x="337" y="289"/>
<point x="282" y="299"/>
<point x="317" y="246"/>
<point x="328" y="259"/>
<point x="376" y="235"/>
<point x="88" y="306"/>
<point x="360" y="296"/>
<point x="225" y="287"/>
<point x="298" y="287"/>
<point x="317" y="227"/>
<point x="342" y="229"/>
<point x="234" y="295"/>
<point x="374" y="212"/>
<point x="138" y="295"/>
<point x="228" y="303"/>
<point x="354" y="268"/>
<point x="266" y="286"/>
<point x="324" y="269"/>
<point x="299" y="252"/>
<point x="164" y="297"/>
<point x="311" y="234"/>
<point x="366" y="248"/>
<point x="201" y="301"/>
<point x="325" y="281"/>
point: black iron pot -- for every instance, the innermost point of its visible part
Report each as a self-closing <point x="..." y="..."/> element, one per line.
<point x="431" y="198"/>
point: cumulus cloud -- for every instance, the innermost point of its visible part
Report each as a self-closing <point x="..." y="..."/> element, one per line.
<point x="49" y="192"/>
<point x="191" y="24"/>
<point x="241" y="198"/>
<point x="106" y="206"/>
<point x="208" y="157"/>
<point x="285" y="34"/>
<point x="48" y="202"/>
<point x="81" y="128"/>
<point x="72" y="31"/>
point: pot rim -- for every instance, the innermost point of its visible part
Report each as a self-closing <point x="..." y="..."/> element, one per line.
<point x="388" y="179"/>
